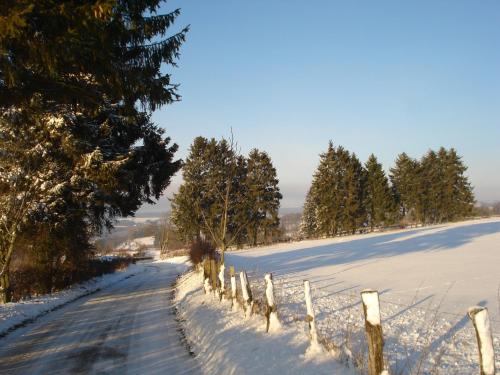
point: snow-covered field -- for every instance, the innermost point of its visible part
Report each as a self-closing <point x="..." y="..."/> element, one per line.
<point x="136" y="243"/>
<point x="19" y="313"/>
<point x="132" y="246"/>
<point x="137" y="220"/>
<point x="427" y="278"/>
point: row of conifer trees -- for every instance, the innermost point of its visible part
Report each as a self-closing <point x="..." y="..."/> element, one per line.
<point x="226" y="197"/>
<point x="346" y="196"/>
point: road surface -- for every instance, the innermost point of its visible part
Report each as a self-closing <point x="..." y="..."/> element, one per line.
<point x="127" y="328"/>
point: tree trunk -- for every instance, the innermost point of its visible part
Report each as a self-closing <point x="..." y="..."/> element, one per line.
<point x="254" y="240"/>
<point x="5" y="292"/>
<point x="222" y="252"/>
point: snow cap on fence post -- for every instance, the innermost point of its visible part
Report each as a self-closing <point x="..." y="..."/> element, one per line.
<point x="247" y="294"/>
<point x="481" y="321"/>
<point x="371" y="309"/>
<point x="233" y="286"/>
<point x="273" y="322"/>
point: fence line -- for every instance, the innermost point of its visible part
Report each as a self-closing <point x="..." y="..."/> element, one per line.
<point x="213" y="281"/>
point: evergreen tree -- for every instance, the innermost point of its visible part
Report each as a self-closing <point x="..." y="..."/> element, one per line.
<point x="308" y="226"/>
<point x="263" y="196"/>
<point x="354" y="210"/>
<point x="334" y="203"/>
<point x="406" y="182"/>
<point x="186" y="215"/>
<point x="326" y="190"/>
<point x="435" y="189"/>
<point x="70" y="89"/>
<point x="447" y="194"/>
<point x="431" y="193"/>
<point x="459" y="191"/>
<point x="225" y="197"/>
<point x="211" y="201"/>
<point x="378" y="200"/>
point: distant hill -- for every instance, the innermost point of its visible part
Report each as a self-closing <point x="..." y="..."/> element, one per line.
<point x="290" y="210"/>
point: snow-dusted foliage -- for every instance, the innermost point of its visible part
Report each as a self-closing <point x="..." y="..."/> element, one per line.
<point x="66" y="170"/>
<point x="77" y="147"/>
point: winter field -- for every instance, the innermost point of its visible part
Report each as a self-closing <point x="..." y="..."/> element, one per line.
<point x="133" y="246"/>
<point x="427" y="278"/>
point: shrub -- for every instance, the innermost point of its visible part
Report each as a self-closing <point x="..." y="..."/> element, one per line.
<point x="199" y="249"/>
<point x="33" y="280"/>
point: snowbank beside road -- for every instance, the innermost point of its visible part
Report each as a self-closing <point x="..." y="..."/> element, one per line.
<point x="227" y="343"/>
<point x="15" y="314"/>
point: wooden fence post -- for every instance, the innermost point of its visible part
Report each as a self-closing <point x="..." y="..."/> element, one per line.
<point x="213" y="275"/>
<point x="233" y="286"/>
<point x="373" y="327"/>
<point x="481" y="321"/>
<point x="273" y="322"/>
<point x="247" y="294"/>
<point x="206" y="275"/>
<point x="310" y="317"/>
<point x="205" y="268"/>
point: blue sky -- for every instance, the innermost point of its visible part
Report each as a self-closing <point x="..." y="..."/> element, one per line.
<point x="373" y="76"/>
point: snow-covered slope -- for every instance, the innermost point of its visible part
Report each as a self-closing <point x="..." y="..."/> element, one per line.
<point x="133" y="245"/>
<point x="146" y="243"/>
<point x="427" y="278"/>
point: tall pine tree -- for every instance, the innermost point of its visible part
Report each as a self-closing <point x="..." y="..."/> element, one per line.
<point x="354" y="210"/>
<point x="79" y="90"/>
<point x="263" y="196"/>
<point x="334" y="204"/>
<point x="378" y="199"/>
<point x="226" y="197"/>
<point x="308" y="225"/>
<point x="406" y="184"/>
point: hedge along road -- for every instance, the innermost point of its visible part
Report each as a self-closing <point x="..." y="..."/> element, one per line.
<point x="127" y="328"/>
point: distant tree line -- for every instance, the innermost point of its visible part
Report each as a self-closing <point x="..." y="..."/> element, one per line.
<point x="346" y="196"/>
<point x="227" y="198"/>
<point x="487" y="209"/>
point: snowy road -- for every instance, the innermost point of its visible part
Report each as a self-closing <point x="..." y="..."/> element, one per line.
<point x="127" y="328"/>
